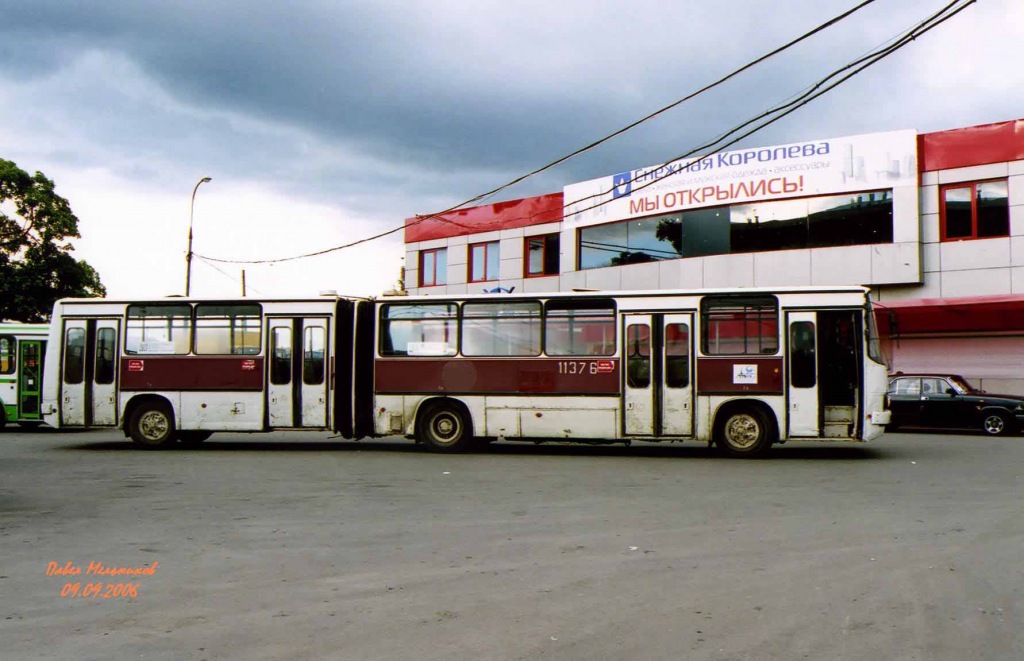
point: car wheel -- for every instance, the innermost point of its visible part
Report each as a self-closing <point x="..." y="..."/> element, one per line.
<point x="444" y="428"/>
<point x="152" y="426"/>
<point x="995" y="424"/>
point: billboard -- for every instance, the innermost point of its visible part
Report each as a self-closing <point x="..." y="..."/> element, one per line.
<point x="850" y="164"/>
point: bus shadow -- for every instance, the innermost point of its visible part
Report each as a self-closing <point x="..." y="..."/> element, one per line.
<point x="648" y="450"/>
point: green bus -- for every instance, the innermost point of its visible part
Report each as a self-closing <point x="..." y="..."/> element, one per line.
<point x="22" y="348"/>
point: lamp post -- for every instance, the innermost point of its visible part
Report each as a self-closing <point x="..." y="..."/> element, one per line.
<point x="188" y="255"/>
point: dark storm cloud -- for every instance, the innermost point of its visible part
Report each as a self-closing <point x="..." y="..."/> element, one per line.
<point x="439" y="99"/>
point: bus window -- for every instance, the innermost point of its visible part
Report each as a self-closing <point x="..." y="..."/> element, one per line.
<point x="6" y="355"/>
<point x="74" y="356"/>
<point x="416" y="329"/>
<point x="501" y="329"/>
<point x="677" y="355"/>
<point x="313" y="356"/>
<point x="803" y="365"/>
<point x="106" y="339"/>
<point x="579" y="328"/>
<point x="281" y="356"/>
<point x="638" y="356"/>
<point x="740" y="325"/>
<point x="158" y="329"/>
<point x="228" y="329"/>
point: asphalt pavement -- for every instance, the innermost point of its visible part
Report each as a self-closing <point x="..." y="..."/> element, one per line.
<point x="299" y="546"/>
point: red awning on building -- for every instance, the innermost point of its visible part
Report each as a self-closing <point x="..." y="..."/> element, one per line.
<point x="970" y="314"/>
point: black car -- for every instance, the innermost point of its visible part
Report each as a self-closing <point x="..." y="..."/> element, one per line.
<point x="948" y="401"/>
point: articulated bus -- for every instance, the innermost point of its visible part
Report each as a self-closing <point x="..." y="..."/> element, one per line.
<point x="739" y="368"/>
<point x="22" y="348"/>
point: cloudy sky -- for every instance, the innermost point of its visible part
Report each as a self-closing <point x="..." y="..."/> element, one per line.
<point x="326" y="121"/>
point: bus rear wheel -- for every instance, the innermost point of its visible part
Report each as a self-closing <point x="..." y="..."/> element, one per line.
<point x="744" y="433"/>
<point x="444" y="428"/>
<point x="152" y="426"/>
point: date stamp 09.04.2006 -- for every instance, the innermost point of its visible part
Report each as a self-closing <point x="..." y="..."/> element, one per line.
<point x="99" y="581"/>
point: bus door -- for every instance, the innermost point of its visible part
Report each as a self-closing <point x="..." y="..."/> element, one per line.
<point x="298" y="377"/>
<point x="30" y="378"/>
<point x="802" y="387"/>
<point x="89" y="373"/>
<point x="658" y="388"/>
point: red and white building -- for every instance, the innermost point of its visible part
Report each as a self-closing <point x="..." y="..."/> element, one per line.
<point x="932" y="222"/>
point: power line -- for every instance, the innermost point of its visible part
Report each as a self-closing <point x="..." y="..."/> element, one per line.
<point x="439" y="215"/>
<point x="225" y="273"/>
<point x="811" y="93"/>
<point x="770" y="116"/>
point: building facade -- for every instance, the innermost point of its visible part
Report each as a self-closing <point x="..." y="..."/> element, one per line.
<point x="933" y="223"/>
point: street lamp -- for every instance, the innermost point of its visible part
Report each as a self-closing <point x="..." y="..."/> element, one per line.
<point x="188" y="255"/>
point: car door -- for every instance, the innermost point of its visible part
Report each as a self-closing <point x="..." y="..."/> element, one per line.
<point x="943" y="406"/>
<point x="905" y="400"/>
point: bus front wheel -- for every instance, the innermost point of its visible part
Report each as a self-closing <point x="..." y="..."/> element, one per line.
<point x="444" y="428"/>
<point x="152" y="426"/>
<point x="744" y="433"/>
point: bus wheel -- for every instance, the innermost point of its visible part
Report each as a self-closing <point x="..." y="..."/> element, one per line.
<point x="744" y="433"/>
<point x="193" y="437"/>
<point x="152" y="426"/>
<point x="444" y="428"/>
<point x="995" y="424"/>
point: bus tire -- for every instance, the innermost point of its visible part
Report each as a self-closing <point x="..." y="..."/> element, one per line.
<point x="444" y="427"/>
<point x="744" y="432"/>
<point x="3" y="416"/>
<point x="152" y="426"/>
<point x="193" y="437"/>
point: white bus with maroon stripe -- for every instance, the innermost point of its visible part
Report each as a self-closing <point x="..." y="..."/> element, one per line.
<point x="740" y="368"/>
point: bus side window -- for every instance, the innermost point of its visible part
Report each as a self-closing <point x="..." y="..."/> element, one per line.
<point x="74" y="356"/>
<point x="740" y="325"/>
<point x="105" y="343"/>
<point x="158" y="329"/>
<point x="228" y="329"/>
<point x="638" y="356"/>
<point x="6" y="355"/>
<point x="677" y="355"/>
<point x="313" y="356"/>
<point x="584" y="327"/>
<point x="418" y="329"/>
<point x="281" y="356"/>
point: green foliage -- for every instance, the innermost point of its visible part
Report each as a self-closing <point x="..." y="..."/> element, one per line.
<point x="36" y="266"/>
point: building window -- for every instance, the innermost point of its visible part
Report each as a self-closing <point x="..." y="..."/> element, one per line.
<point x="483" y="261"/>
<point x="433" y="267"/>
<point x="978" y="210"/>
<point x="542" y="255"/>
<point x="816" y="222"/>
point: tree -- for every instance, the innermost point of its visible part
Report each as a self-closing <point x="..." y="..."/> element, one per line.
<point x="36" y="266"/>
